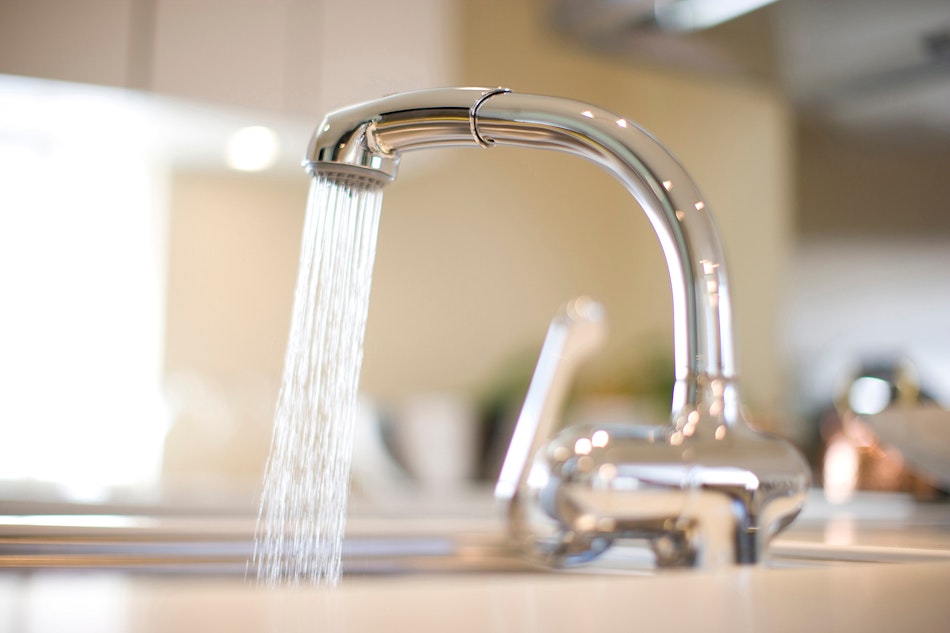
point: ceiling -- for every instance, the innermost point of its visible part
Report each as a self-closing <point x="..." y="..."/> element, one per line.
<point x="876" y="66"/>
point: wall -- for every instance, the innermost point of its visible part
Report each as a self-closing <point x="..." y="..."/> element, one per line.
<point x="866" y="185"/>
<point x="233" y="242"/>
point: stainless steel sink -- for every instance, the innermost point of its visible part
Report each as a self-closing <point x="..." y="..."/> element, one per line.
<point x="872" y="529"/>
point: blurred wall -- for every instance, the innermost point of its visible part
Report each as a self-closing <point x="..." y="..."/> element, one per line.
<point x="233" y="241"/>
<point x="866" y="185"/>
<point x="871" y="284"/>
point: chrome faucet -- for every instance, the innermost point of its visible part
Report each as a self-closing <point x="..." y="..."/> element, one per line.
<point x="700" y="489"/>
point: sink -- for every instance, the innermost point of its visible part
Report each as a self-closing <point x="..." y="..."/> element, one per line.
<point x="873" y="528"/>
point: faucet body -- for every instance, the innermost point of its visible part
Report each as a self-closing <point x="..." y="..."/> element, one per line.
<point x="702" y="487"/>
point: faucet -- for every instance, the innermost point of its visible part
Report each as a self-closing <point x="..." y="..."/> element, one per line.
<point x="700" y="489"/>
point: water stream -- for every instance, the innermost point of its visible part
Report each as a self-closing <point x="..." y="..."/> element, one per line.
<point x="299" y="536"/>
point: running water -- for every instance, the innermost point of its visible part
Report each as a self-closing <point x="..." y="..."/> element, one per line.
<point x="299" y="535"/>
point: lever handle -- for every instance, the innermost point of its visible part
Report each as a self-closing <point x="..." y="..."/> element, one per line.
<point x="577" y="331"/>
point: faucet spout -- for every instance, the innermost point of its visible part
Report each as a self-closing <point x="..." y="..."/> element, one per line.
<point x="366" y="141"/>
<point x="702" y="317"/>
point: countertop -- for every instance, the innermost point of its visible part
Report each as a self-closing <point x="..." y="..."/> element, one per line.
<point x="903" y="597"/>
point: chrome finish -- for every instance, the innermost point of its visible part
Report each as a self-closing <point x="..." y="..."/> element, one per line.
<point x="702" y="318"/>
<point x="367" y="139"/>
<point x="702" y="489"/>
<point x="474" y="111"/>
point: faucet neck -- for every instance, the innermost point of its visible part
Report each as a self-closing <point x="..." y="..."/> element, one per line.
<point x="702" y="318"/>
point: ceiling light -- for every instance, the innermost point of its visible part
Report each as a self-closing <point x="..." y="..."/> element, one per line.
<point x="252" y="148"/>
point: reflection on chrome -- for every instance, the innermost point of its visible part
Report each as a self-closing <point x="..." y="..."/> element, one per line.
<point x="869" y="395"/>
<point x="702" y="488"/>
<point x="583" y="446"/>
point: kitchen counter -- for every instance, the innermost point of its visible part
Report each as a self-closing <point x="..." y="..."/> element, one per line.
<point x="881" y="563"/>
<point x="909" y="597"/>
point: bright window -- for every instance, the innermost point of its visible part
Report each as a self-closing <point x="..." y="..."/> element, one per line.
<point x="81" y="294"/>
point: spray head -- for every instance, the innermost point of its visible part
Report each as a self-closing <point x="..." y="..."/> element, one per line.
<point x="363" y="143"/>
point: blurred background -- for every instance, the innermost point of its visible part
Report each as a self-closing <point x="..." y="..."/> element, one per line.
<point x="152" y="200"/>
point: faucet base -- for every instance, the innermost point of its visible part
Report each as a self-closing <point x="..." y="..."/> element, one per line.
<point x="691" y="504"/>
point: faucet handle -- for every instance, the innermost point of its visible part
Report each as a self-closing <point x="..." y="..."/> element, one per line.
<point x="577" y="331"/>
<point x="698" y="490"/>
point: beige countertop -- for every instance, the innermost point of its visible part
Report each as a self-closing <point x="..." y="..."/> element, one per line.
<point x="901" y="597"/>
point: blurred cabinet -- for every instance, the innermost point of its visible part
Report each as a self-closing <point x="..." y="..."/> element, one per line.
<point x="86" y="41"/>
<point x="297" y="56"/>
<point x="232" y="51"/>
